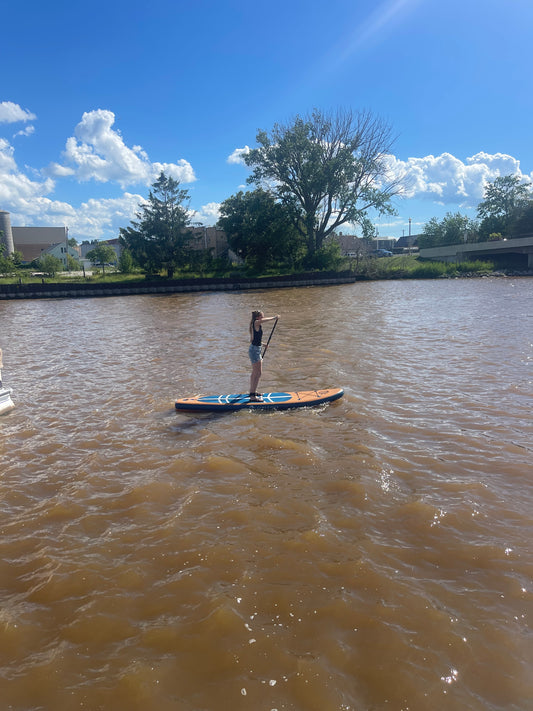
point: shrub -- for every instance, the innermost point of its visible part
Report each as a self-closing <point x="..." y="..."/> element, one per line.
<point x="474" y="267"/>
<point x="431" y="270"/>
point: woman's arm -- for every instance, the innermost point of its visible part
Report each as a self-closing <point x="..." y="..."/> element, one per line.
<point x="262" y="319"/>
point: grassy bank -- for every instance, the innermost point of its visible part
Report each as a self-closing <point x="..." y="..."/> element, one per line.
<point x="395" y="267"/>
<point x="410" y="266"/>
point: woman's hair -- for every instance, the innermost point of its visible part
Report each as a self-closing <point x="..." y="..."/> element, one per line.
<point x="255" y="315"/>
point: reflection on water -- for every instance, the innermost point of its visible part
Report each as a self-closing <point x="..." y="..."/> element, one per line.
<point x="373" y="553"/>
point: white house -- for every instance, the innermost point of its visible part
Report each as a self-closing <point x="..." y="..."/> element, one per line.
<point x="60" y="251"/>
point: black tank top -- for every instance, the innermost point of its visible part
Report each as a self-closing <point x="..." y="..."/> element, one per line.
<point x="258" y="335"/>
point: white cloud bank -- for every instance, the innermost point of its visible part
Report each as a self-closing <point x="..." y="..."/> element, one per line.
<point x="447" y="180"/>
<point x="29" y="203"/>
<point x="97" y="152"/>
<point x="444" y="179"/>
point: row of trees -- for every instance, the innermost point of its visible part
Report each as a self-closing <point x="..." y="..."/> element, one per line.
<point x="505" y="211"/>
<point x="312" y="175"/>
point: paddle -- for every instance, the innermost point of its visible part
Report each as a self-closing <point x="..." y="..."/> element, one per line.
<point x="271" y="332"/>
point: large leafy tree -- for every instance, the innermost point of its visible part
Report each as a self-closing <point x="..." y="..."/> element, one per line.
<point x="329" y="168"/>
<point x="260" y="230"/>
<point x="454" y="228"/>
<point x="504" y="201"/>
<point x="159" y="237"/>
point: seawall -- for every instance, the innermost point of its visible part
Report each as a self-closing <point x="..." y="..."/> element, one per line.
<point x="171" y="286"/>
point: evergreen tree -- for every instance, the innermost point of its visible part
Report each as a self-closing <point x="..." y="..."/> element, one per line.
<point x="159" y="237"/>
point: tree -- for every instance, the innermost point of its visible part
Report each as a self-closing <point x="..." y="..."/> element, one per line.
<point x="504" y="201"/>
<point x="260" y="230"/>
<point x="6" y="265"/>
<point x="330" y="169"/>
<point x="454" y="228"/>
<point x="73" y="264"/>
<point x="102" y="254"/>
<point x="158" y="239"/>
<point x="9" y="263"/>
<point x="522" y="224"/>
<point x="125" y="262"/>
<point x="50" y="265"/>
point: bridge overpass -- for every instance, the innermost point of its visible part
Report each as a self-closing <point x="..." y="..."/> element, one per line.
<point x="468" y="251"/>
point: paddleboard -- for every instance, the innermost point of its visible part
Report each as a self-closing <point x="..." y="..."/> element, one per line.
<point x="271" y="401"/>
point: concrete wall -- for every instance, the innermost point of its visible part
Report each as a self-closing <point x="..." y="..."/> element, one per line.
<point x="467" y="251"/>
<point x="87" y="289"/>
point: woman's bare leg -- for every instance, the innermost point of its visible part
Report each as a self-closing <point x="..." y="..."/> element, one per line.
<point x="257" y="369"/>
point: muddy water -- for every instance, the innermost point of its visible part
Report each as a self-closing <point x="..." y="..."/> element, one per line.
<point x="371" y="554"/>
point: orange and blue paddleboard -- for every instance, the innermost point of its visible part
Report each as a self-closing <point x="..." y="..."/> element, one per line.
<point x="271" y="401"/>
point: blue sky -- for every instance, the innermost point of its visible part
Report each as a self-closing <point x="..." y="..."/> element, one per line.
<point x="96" y="99"/>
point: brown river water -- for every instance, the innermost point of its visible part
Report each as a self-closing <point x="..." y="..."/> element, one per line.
<point x="374" y="553"/>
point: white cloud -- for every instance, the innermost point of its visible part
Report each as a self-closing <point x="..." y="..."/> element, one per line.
<point x="97" y="152"/>
<point x="28" y="202"/>
<point x="94" y="219"/>
<point x="25" y="131"/>
<point x="59" y="171"/>
<point x="97" y="219"/>
<point x="208" y="214"/>
<point x="237" y="157"/>
<point x="16" y="188"/>
<point x="12" y="113"/>
<point x="448" y="180"/>
<point x="182" y="171"/>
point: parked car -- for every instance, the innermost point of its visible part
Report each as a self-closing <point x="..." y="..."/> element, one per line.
<point x="382" y="253"/>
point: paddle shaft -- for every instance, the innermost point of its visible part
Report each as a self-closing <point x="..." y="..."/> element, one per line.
<point x="271" y="332"/>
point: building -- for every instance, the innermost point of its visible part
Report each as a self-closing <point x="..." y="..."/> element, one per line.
<point x="388" y="243"/>
<point x="87" y="246"/>
<point x="32" y="242"/>
<point x="350" y="245"/>
<point x="60" y="250"/>
<point x="407" y="243"/>
<point x="211" y="239"/>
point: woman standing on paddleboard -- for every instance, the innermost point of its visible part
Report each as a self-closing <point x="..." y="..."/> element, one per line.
<point x="256" y="336"/>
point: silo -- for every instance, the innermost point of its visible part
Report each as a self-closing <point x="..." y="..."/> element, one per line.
<point x="6" y="235"/>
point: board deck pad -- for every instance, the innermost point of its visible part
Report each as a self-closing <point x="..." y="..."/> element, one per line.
<point x="275" y="401"/>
